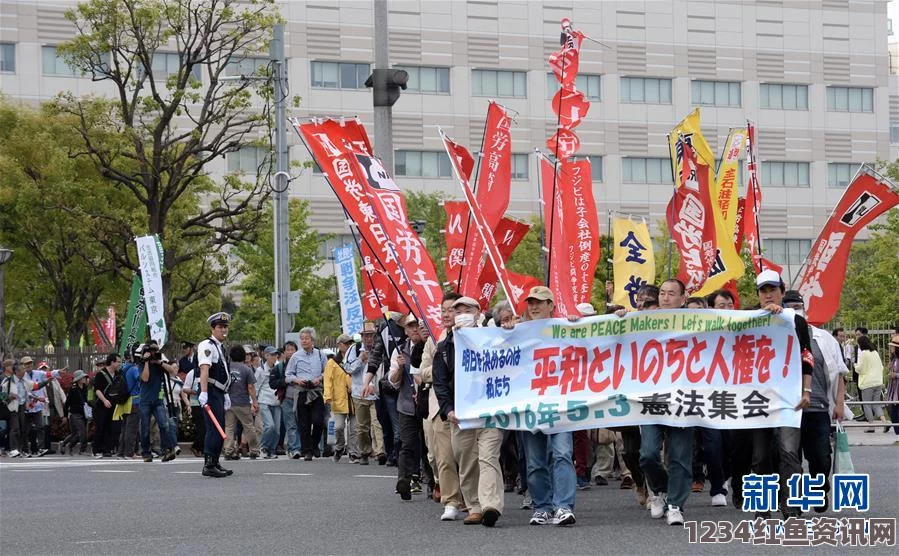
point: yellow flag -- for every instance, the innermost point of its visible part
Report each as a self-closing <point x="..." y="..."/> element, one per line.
<point x="633" y="263"/>
<point x="728" y="264"/>
<point x="727" y="182"/>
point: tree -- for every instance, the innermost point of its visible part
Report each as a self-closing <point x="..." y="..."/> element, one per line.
<point x="155" y="136"/>
<point x="48" y="209"/>
<point x="318" y="300"/>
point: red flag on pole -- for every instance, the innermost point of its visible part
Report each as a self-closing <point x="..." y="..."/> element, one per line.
<point x="867" y="197"/>
<point x="454" y="238"/>
<point x="508" y="235"/>
<point x="560" y="279"/>
<point x="377" y="292"/>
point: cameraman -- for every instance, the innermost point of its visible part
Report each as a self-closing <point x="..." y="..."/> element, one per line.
<point x="151" y="402"/>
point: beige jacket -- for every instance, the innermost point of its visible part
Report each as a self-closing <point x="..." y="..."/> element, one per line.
<point x="427" y="373"/>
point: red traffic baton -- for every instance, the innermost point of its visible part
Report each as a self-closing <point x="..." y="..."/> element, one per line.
<point x="215" y="421"/>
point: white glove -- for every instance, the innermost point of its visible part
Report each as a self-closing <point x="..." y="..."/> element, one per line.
<point x="203" y="398"/>
<point x="227" y="402"/>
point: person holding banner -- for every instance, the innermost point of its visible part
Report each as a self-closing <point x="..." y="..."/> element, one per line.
<point x="552" y="480"/>
<point x="214" y="382"/>
<point x="670" y="487"/>
<point x="476" y="450"/>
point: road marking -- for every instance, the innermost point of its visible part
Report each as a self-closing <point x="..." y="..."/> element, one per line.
<point x="30" y="470"/>
<point x="376" y="476"/>
<point x="112" y="471"/>
<point x="290" y="474"/>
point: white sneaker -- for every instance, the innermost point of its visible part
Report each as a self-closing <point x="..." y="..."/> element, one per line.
<point x="14" y="453"/>
<point x="527" y="503"/>
<point x="563" y="517"/>
<point x="719" y="500"/>
<point x="450" y="513"/>
<point x="675" y="516"/>
<point x="657" y="505"/>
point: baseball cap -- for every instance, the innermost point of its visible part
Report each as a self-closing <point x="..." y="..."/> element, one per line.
<point x="26" y="359"/>
<point x="541" y="293"/>
<point x="270" y="350"/>
<point x="468" y="301"/>
<point x="768" y="278"/>
<point x="792" y="296"/>
<point x="585" y="309"/>
<point x="408" y="319"/>
<point x="344" y="339"/>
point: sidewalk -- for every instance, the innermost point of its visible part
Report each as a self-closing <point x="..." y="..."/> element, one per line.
<point x="858" y="436"/>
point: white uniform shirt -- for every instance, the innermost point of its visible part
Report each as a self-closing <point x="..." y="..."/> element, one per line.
<point x="209" y="351"/>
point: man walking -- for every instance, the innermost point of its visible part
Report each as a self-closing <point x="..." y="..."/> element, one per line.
<point x="242" y="393"/>
<point x="304" y="379"/>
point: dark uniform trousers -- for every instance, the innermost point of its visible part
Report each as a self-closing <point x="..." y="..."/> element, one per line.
<point x="216" y="402"/>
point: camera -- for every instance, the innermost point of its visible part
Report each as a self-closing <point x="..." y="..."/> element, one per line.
<point x="150" y="353"/>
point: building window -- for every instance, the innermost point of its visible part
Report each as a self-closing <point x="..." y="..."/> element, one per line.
<point x="588" y="84"/>
<point x="166" y="64"/>
<point x="716" y="93"/>
<point x="54" y="65"/>
<point x="8" y="57"/>
<point x="645" y="90"/>
<point x="249" y="160"/>
<point x="596" y="169"/>
<point x="783" y="97"/>
<point x="519" y="166"/>
<point x="894" y="133"/>
<point x="499" y="83"/>
<point x="787" y="251"/>
<point x="339" y="75"/>
<point x="785" y="174"/>
<point x="839" y="173"/>
<point x="646" y="170"/>
<point x="422" y="164"/>
<point x="850" y="99"/>
<point x="246" y="66"/>
<point x="428" y="80"/>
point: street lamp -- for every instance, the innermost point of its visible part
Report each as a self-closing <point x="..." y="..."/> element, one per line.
<point x="5" y="256"/>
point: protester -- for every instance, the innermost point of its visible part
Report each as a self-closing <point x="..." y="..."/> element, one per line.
<point x="278" y="382"/>
<point x="153" y="404"/>
<point x="368" y="427"/>
<point x="870" y="381"/>
<point x="304" y="379"/>
<point x="338" y="395"/>
<point x="189" y="393"/>
<point x="17" y="387"/>
<point x="269" y="406"/>
<point x="104" y="435"/>
<point x="242" y="393"/>
<point x="75" y="415"/>
<point x="130" y="410"/>
<point x="401" y="379"/>
<point x="893" y="376"/>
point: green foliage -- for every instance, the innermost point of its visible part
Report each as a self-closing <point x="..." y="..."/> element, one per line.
<point x="318" y="301"/>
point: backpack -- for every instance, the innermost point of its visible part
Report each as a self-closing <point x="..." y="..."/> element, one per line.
<point x="117" y="392"/>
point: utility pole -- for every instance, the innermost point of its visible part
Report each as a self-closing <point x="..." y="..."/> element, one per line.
<point x="281" y="191"/>
<point x="386" y="84"/>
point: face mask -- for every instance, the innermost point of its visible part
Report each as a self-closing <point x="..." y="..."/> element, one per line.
<point x="464" y="321"/>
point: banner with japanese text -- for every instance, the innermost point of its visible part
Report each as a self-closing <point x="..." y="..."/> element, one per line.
<point x="348" y="292"/>
<point x="559" y="279"/>
<point x="377" y="206"/>
<point x="633" y="262"/>
<point x="378" y="293"/>
<point x="716" y="369"/>
<point x="135" y="324"/>
<point x="727" y="180"/>
<point x="149" y="253"/>
<point x="580" y="226"/>
<point x="508" y="234"/>
<point x="753" y="203"/>
<point x="454" y="239"/>
<point x="866" y="198"/>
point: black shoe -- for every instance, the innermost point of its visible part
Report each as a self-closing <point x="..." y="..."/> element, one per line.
<point x="307" y="457"/>
<point x="382" y="459"/>
<point x="490" y="517"/>
<point x="148" y="458"/>
<point x="211" y="470"/>
<point x="364" y="460"/>
<point x="391" y="462"/>
<point x="337" y="454"/>
<point x="169" y="455"/>
<point x="404" y="489"/>
<point x="215" y="463"/>
<point x="316" y="453"/>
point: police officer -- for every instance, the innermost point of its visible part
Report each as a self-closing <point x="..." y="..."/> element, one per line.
<point x="214" y="381"/>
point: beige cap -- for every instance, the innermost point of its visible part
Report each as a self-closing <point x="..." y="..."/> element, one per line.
<point x="469" y="301"/>
<point x="541" y="293"/>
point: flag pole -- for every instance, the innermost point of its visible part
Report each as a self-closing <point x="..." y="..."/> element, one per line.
<point x="673" y="156"/>
<point x="477" y="172"/>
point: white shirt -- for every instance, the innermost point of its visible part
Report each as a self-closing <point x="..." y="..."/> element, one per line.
<point x="209" y="352"/>
<point x="833" y="360"/>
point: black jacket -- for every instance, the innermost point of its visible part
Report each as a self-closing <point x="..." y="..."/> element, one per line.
<point x="444" y="375"/>
<point x="75" y="401"/>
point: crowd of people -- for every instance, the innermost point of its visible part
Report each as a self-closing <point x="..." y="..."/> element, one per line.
<point x="385" y="396"/>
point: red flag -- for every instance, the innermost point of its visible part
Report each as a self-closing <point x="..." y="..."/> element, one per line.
<point x="377" y="291"/>
<point x="110" y="325"/>
<point x="378" y="207"/>
<point x="571" y="106"/>
<point x="95" y="333"/>
<point x="580" y="225"/>
<point x="690" y="220"/>
<point x="493" y="189"/>
<point x="753" y="202"/>
<point x="520" y="285"/>
<point x="866" y="198"/>
<point x="564" y="63"/>
<point x="563" y="143"/>
<point x="454" y="237"/>
<point x="555" y="214"/>
<point x="508" y="235"/>
<point x="482" y="226"/>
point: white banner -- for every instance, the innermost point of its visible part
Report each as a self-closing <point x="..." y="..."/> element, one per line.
<point x="350" y="304"/>
<point x="717" y="369"/>
<point x="149" y="252"/>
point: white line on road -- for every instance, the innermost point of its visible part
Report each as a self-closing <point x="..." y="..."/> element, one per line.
<point x="376" y="476"/>
<point x="290" y="474"/>
<point x="30" y="470"/>
<point x="112" y="471"/>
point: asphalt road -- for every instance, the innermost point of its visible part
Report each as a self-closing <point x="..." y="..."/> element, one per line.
<point x="62" y="505"/>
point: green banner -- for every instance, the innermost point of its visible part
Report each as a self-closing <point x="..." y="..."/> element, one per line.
<point x="136" y="322"/>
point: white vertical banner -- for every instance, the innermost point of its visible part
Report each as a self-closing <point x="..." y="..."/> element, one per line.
<point x="149" y="252"/>
<point x="350" y="304"/>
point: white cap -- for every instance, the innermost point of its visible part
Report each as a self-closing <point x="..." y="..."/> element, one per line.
<point x="585" y="309"/>
<point x="768" y="278"/>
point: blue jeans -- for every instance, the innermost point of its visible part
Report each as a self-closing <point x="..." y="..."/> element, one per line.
<point x="552" y="481"/>
<point x="289" y="417"/>
<point x="271" y="426"/>
<point x="158" y="409"/>
<point x="713" y="451"/>
<point x="676" y="480"/>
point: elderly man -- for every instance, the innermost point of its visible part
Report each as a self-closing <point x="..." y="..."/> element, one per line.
<point x="304" y="377"/>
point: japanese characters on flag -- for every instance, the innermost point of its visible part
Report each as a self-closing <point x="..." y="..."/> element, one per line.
<point x="378" y="292"/>
<point x="559" y="279"/>
<point x="149" y="253"/>
<point x="563" y="143"/>
<point x="727" y="264"/>
<point x="753" y="204"/>
<point x="109" y="324"/>
<point x="508" y="235"/>
<point x="564" y="62"/>
<point x="684" y="368"/>
<point x="633" y="261"/>
<point x="520" y="285"/>
<point x="493" y="188"/>
<point x="727" y="180"/>
<point x="689" y="216"/>
<point x="867" y="197"/>
<point x="378" y="207"/>
<point x="454" y="238"/>
<point x="571" y="106"/>
<point x="351" y="315"/>
<point x="482" y="226"/>
<point x="581" y="226"/>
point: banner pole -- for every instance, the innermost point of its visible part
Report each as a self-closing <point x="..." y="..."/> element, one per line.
<point x="477" y="172"/>
<point x="673" y="156"/>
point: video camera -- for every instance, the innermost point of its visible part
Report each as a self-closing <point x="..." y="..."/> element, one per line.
<point x="150" y="353"/>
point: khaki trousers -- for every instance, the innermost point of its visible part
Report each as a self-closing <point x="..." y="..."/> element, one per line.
<point x="608" y="445"/>
<point x="480" y="476"/>
<point x="441" y="446"/>
<point x="244" y="414"/>
<point x="368" y="428"/>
